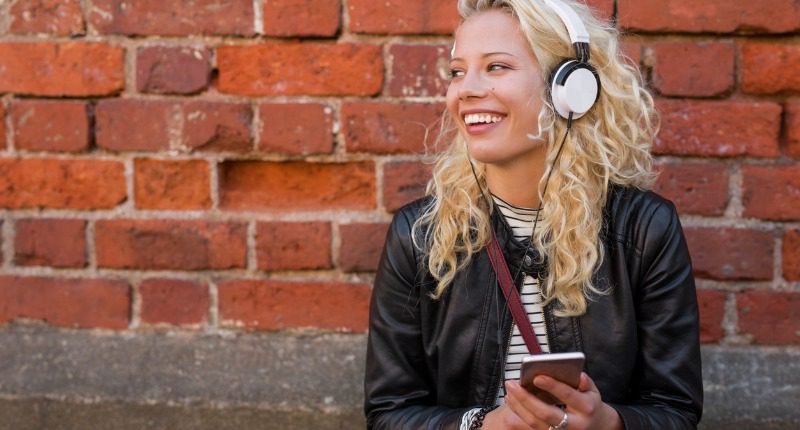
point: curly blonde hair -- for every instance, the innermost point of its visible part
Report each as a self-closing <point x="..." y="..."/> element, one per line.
<point x="609" y="145"/>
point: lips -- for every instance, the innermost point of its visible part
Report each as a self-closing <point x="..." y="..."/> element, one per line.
<point x="481" y="121"/>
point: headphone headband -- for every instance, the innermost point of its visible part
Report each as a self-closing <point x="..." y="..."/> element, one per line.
<point x="575" y="28"/>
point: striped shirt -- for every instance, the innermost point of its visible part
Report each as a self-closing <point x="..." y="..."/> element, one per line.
<point x="521" y="221"/>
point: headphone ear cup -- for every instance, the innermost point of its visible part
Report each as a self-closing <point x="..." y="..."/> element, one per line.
<point x="574" y="88"/>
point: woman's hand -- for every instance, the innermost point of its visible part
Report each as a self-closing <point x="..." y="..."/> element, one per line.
<point x="585" y="408"/>
<point x="503" y="418"/>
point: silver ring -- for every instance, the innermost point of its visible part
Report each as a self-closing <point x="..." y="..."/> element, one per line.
<point x="562" y="424"/>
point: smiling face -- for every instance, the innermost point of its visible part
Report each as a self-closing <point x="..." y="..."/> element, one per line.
<point x="495" y="92"/>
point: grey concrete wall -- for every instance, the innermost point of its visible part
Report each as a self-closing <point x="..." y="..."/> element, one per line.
<point x="62" y="379"/>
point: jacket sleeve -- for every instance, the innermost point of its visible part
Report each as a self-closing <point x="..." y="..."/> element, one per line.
<point x="669" y="385"/>
<point x="399" y="390"/>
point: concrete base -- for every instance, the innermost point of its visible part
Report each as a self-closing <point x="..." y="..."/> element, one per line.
<point x="65" y="379"/>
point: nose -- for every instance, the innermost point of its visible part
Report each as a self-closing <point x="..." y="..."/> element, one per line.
<point x="472" y="85"/>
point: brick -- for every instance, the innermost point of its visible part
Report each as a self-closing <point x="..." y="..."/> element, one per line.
<point x="172" y="70"/>
<point x="170" y="244"/>
<point x="771" y="192"/>
<point x="56" y="17"/>
<point x="296" y="128"/>
<point x="174" y="302"/>
<point x="301" y="17"/>
<point x="695" y="188"/>
<point x="173" y="18"/>
<point x="293" y="245"/>
<point x="770" y="317"/>
<point x="151" y="125"/>
<point x="78" y="69"/>
<point x="731" y="253"/>
<point x="714" y="128"/>
<point x="85" y="303"/>
<point x="50" y="242"/>
<point x="419" y="70"/>
<point x="602" y="9"/>
<point x="297" y="185"/>
<point x="792" y="127"/>
<point x="387" y="128"/>
<point x="632" y="50"/>
<point x="791" y="255"/>
<point x="215" y="126"/>
<point x="403" y="16"/>
<point x="712" y="311"/>
<point x="2" y="126"/>
<point x="315" y="69"/>
<point x="709" y="16"/>
<point x="133" y="125"/>
<point x="693" y="69"/>
<point x="403" y="182"/>
<point x="61" y="184"/>
<point x="362" y="244"/>
<point x="769" y="68"/>
<point x="276" y="305"/>
<point x="46" y="125"/>
<point x="172" y="184"/>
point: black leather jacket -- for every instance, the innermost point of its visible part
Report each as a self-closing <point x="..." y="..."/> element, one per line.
<point x="429" y="361"/>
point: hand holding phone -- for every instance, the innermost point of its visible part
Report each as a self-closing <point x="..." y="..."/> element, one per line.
<point x="565" y="367"/>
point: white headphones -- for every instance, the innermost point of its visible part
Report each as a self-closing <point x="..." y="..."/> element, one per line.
<point x="574" y="84"/>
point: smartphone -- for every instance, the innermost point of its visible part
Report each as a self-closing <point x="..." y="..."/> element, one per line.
<point x="563" y="366"/>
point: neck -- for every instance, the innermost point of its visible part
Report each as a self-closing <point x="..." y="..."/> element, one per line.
<point x="517" y="182"/>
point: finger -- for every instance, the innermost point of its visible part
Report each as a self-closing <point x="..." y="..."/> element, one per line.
<point x="570" y="396"/>
<point x="587" y="384"/>
<point x="530" y="408"/>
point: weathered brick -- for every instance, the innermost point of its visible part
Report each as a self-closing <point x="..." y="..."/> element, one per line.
<point x="603" y="9"/>
<point x="711" y="128"/>
<point x="174" y="302"/>
<point x="695" y="188"/>
<point x="172" y="184"/>
<point x="770" y="317"/>
<point x="2" y="126"/>
<point x="403" y="16"/>
<point x="170" y="244"/>
<point x="276" y="305"/>
<point x="712" y="311"/>
<point x="709" y="16"/>
<point x="46" y="125"/>
<point x="388" y="128"/>
<point x="87" y="303"/>
<point x="362" y="244"/>
<point x="791" y="254"/>
<point x="172" y="69"/>
<point x="133" y="125"/>
<point x="61" y="184"/>
<point x="792" y="127"/>
<point x="771" y="192"/>
<point x="731" y="253"/>
<point x="419" y="70"/>
<point x="50" y="242"/>
<point x="632" y="50"/>
<point x="56" y="17"/>
<point x="769" y="68"/>
<point x="293" y="245"/>
<point x="404" y="181"/>
<point x="151" y="125"/>
<point x="321" y="69"/>
<point x="297" y="185"/>
<point x="301" y="17"/>
<point x="694" y="69"/>
<point x="296" y="128"/>
<point x="173" y="18"/>
<point x="61" y="69"/>
<point x="215" y="126"/>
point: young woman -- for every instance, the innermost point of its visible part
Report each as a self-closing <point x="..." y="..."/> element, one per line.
<point x="601" y="263"/>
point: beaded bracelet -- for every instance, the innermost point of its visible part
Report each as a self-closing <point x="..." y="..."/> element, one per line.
<point x="477" y="420"/>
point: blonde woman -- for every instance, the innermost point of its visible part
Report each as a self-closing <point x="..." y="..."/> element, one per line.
<point x="558" y="170"/>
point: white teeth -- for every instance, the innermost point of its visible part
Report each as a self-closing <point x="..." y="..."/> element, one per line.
<point x="481" y="118"/>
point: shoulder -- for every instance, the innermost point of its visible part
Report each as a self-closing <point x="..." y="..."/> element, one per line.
<point x="405" y="217"/>
<point x="639" y="217"/>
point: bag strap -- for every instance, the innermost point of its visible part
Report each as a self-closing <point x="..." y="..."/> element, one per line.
<point x="512" y="295"/>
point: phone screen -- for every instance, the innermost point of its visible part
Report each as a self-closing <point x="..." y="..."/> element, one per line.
<point x="565" y="367"/>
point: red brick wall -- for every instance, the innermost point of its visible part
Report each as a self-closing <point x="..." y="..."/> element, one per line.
<point x="236" y="168"/>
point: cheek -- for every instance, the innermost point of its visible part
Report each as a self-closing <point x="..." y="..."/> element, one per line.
<point x="452" y="102"/>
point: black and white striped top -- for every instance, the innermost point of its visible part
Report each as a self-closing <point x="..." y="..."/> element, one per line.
<point x="521" y="221"/>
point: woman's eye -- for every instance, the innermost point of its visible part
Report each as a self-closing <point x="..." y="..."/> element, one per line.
<point x="495" y="67"/>
<point x="454" y="73"/>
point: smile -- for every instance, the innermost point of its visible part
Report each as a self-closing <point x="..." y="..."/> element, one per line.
<point x="482" y="121"/>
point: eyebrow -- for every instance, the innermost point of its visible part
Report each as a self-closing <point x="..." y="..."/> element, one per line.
<point x="488" y="54"/>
